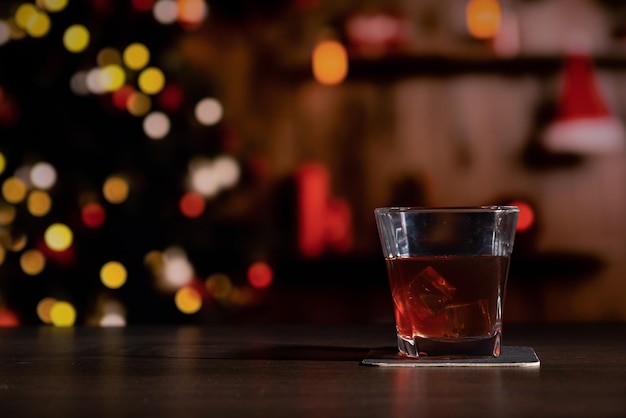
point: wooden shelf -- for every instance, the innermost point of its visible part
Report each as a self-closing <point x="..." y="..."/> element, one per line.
<point x="391" y="68"/>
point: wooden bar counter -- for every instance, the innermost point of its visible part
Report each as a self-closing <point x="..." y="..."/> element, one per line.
<point x="299" y="371"/>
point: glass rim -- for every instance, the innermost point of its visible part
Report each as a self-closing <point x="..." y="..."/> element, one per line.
<point x="447" y="209"/>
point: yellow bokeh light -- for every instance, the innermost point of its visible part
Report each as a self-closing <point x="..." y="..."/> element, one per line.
<point x="38" y="24"/>
<point x="3" y="163"/>
<point x="24" y="13"/>
<point x="38" y="203"/>
<point x="111" y="77"/>
<point x="58" y="237"/>
<point x="32" y="262"/>
<point x="76" y="38"/>
<point x="62" y="314"/>
<point x="3" y="254"/>
<point x="136" y="56"/>
<point x="43" y="309"/>
<point x="54" y="5"/>
<point x="138" y="104"/>
<point x="330" y="62"/>
<point x="115" y="189"/>
<point x="113" y="274"/>
<point x="14" y="190"/>
<point x="151" y="80"/>
<point x="188" y="300"/>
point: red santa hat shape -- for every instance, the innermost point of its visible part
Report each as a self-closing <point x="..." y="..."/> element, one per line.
<point x="584" y="123"/>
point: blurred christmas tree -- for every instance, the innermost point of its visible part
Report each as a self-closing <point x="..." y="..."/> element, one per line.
<point x="125" y="191"/>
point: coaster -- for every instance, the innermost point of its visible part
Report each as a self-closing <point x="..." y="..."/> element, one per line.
<point x="510" y="356"/>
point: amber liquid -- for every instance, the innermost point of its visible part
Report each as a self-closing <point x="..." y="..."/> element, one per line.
<point x="448" y="298"/>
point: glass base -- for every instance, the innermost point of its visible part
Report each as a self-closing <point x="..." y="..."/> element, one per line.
<point x="451" y="348"/>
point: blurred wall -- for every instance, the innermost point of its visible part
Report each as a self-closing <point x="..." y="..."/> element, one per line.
<point x="446" y="119"/>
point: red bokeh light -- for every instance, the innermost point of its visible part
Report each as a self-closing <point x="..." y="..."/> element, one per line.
<point x="171" y="98"/>
<point x="260" y="275"/>
<point x="143" y="5"/>
<point x="526" y="217"/>
<point x="93" y="215"/>
<point x="8" y="318"/>
<point x="121" y="95"/>
<point x="192" y="205"/>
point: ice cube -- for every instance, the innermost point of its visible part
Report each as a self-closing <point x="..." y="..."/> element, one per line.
<point x="469" y="319"/>
<point x="429" y="292"/>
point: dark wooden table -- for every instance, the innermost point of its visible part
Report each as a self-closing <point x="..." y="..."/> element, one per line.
<point x="299" y="371"/>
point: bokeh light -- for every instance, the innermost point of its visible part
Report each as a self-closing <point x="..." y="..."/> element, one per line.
<point x="136" y="56"/>
<point x="260" y="275"/>
<point x="39" y="203"/>
<point x="14" y="190"/>
<point x="329" y="62"/>
<point x="171" y="98"/>
<point x="58" y="237"/>
<point x="143" y="5"/>
<point x="526" y="216"/>
<point x="177" y="271"/>
<point x="151" y="80"/>
<point x="113" y="314"/>
<point x="62" y="314"/>
<point x="208" y="177"/>
<point x="43" y="175"/>
<point x="5" y="32"/>
<point x="93" y="214"/>
<point x="24" y="13"/>
<point x="76" y="38"/>
<point x="188" y="300"/>
<point x="7" y="213"/>
<point x="192" y="12"/>
<point x="483" y="18"/>
<point x="165" y="11"/>
<point x="138" y="103"/>
<point x="54" y="5"/>
<point x="115" y="189"/>
<point x="111" y="77"/>
<point x="43" y="309"/>
<point x="219" y="286"/>
<point x="120" y="96"/>
<point x="108" y="56"/>
<point x="3" y="161"/>
<point x="8" y="318"/>
<point x="191" y="205"/>
<point x="113" y="274"/>
<point x="78" y="83"/>
<point x="32" y="262"/>
<point x="156" y="125"/>
<point x="38" y="25"/>
<point x="209" y="111"/>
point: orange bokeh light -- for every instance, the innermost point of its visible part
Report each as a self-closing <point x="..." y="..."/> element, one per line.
<point x="330" y="62"/>
<point x="483" y="18"/>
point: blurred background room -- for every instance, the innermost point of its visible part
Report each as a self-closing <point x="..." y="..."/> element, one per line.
<point x="219" y="161"/>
